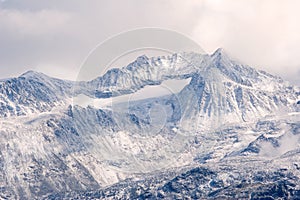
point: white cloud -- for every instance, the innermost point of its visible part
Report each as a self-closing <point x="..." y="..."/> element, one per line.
<point x="33" y="23"/>
<point x="261" y="33"/>
<point x="264" y="33"/>
<point x="287" y="143"/>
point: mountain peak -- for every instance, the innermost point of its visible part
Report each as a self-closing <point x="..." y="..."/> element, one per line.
<point x="30" y="73"/>
<point x="221" y="58"/>
<point x="33" y="74"/>
<point x="143" y="59"/>
<point x="220" y="52"/>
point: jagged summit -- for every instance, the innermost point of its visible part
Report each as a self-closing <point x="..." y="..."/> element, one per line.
<point x="142" y="59"/>
<point x="219" y="52"/>
<point x="32" y="73"/>
<point x="220" y="55"/>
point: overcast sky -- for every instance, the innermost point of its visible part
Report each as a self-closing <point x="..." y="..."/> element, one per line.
<point x="55" y="36"/>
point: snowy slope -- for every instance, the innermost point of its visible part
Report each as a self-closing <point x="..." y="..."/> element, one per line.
<point x="32" y="92"/>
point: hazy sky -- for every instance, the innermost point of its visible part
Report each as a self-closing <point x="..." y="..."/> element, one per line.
<point x="55" y="36"/>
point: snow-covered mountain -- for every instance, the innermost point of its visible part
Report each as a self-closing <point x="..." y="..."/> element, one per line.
<point x="229" y="114"/>
<point x="32" y="92"/>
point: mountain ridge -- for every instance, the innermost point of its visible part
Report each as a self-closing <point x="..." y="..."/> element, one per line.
<point x="153" y="71"/>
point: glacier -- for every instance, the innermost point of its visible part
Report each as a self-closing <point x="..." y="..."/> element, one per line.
<point x="230" y="131"/>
